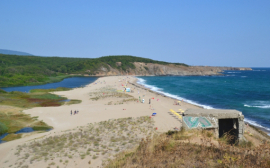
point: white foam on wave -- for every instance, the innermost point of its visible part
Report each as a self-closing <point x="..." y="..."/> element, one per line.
<point x="156" y="89"/>
<point x="258" y="104"/>
<point x="256" y="124"/>
<point x="243" y="76"/>
<point x="265" y="106"/>
<point x="233" y="72"/>
<point x="159" y="90"/>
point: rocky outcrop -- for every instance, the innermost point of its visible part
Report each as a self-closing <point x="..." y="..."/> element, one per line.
<point x="150" y="69"/>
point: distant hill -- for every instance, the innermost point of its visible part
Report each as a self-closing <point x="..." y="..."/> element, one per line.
<point x="11" y="52"/>
<point x="18" y="70"/>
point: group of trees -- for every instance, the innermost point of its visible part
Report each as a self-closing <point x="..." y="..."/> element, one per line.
<point x="22" y="70"/>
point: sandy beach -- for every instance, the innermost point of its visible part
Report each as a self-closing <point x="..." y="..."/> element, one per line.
<point x="91" y="111"/>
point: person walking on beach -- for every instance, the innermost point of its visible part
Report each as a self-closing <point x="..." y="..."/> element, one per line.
<point x="149" y="101"/>
<point x="71" y="112"/>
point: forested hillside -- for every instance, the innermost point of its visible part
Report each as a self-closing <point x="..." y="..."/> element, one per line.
<point x="29" y="70"/>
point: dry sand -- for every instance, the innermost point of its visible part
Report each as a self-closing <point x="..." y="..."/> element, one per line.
<point x="95" y="111"/>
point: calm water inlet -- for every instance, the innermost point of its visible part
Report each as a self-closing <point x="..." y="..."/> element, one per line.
<point x="68" y="83"/>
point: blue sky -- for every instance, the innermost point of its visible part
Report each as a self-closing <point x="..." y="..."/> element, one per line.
<point x="195" y="32"/>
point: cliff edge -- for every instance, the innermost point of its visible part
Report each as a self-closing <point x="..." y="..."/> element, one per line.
<point x="152" y="69"/>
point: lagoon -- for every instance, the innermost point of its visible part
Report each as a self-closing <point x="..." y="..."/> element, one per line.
<point x="72" y="82"/>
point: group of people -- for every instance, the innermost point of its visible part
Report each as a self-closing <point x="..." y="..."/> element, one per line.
<point x="75" y="112"/>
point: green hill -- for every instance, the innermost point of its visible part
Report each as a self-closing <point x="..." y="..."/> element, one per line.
<point x="32" y="70"/>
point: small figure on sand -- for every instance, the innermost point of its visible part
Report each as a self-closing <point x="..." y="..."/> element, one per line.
<point x="71" y="112"/>
<point x="149" y="101"/>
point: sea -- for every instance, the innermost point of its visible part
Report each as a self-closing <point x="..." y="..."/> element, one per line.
<point x="246" y="91"/>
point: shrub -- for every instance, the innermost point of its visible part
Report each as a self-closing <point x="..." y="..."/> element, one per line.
<point x="41" y="128"/>
<point x="2" y="91"/>
<point x="3" y="128"/>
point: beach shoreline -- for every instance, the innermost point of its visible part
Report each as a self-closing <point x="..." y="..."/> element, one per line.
<point x="97" y="107"/>
<point x="264" y="130"/>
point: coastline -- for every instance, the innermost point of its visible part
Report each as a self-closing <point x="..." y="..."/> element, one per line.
<point x="140" y="84"/>
<point x="95" y="111"/>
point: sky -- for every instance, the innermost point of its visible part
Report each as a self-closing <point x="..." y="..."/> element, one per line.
<point x="195" y="32"/>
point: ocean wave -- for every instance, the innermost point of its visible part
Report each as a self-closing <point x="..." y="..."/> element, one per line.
<point x="254" y="123"/>
<point x="233" y="72"/>
<point x="159" y="90"/>
<point x="243" y="76"/>
<point x="258" y="104"/>
<point x="263" y="106"/>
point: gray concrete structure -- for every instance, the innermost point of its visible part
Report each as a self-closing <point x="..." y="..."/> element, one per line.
<point x="219" y="120"/>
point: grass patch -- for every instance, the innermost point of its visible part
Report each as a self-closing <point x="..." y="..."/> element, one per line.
<point x="73" y="101"/>
<point x="3" y="128"/>
<point x="11" y="137"/>
<point x="29" y="100"/>
<point x="2" y="91"/>
<point x="49" y="90"/>
<point x="107" y="92"/>
<point x="41" y="128"/>
<point x="14" y="119"/>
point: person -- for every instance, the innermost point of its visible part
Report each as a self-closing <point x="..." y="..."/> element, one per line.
<point x="74" y="112"/>
<point x="71" y="112"/>
<point x="142" y="100"/>
<point x="149" y="101"/>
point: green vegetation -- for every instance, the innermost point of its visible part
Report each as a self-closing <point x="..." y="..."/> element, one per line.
<point x="32" y="70"/>
<point x="11" y="137"/>
<point x="28" y="100"/>
<point x="3" y="128"/>
<point x="49" y="90"/>
<point x="73" y="101"/>
<point x="13" y="120"/>
<point x="12" y="103"/>
<point x="2" y="91"/>
<point x="41" y="128"/>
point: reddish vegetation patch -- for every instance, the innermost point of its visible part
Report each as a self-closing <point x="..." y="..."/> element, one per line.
<point x="50" y="103"/>
<point x="45" y="103"/>
<point x="35" y="100"/>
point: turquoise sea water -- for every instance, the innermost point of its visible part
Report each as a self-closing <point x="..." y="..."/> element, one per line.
<point x="246" y="91"/>
<point x="68" y="83"/>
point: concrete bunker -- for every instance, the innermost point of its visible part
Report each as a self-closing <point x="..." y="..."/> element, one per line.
<point x="219" y="120"/>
